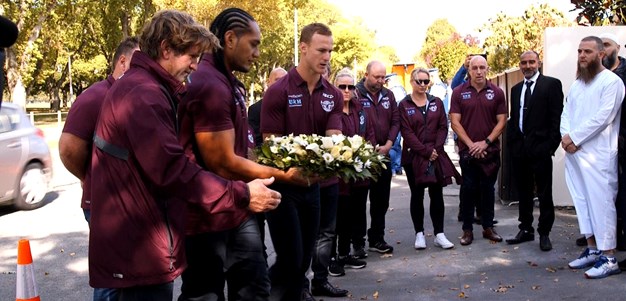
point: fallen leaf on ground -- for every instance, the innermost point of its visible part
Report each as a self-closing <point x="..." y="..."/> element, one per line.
<point x="441" y="275"/>
<point x="532" y="264"/>
<point x="551" y="270"/>
<point x="453" y="288"/>
<point x="536" y="287"/>
<point x="466" y="286"/>
<point x="375" y="295"/>
<point x="462" y="295"/>
<point x="386" y="255"/>
<point x="379" y="280"/>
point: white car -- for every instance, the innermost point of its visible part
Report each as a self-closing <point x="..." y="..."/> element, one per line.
<point x="25" y="163"/>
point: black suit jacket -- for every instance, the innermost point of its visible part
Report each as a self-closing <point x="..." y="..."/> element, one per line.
<point x="541" y="136"/>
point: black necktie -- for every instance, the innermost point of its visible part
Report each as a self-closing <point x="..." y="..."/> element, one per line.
<point x="528" y="93"/>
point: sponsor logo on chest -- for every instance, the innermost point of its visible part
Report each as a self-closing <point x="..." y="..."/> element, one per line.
<point x="327" y="102"/>
<point x="490" y="95"/>
<point x="466" y="95"/>
<point x="294" y="100"/>
<point x="411" y="111"/>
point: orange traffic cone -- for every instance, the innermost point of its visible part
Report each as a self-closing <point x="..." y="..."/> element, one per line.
<point x="26" y="289"/>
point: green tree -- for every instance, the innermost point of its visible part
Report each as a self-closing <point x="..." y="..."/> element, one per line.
<point x="438" y="33"/>
<point x="511" y="36"/>
<point x="601" y="12"/>
<point x="352" y="42"/>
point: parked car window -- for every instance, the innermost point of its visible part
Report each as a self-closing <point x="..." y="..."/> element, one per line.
<point x="8" y="120"/>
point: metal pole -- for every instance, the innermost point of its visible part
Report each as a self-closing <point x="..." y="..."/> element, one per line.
<point x="295" y="36"/>
<point x="69" y="63"/>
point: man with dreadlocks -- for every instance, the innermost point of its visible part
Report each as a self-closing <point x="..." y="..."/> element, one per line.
<point x="215" y="134"/>
<point x="302" y="102"/>
<point x="141" y="180"/>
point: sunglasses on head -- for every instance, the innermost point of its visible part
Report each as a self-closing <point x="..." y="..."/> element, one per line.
<point x="422" y="81"/>
<point x="343" y="87"/>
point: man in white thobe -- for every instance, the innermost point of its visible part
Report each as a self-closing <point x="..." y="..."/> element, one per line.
<point x="589" y="130"/>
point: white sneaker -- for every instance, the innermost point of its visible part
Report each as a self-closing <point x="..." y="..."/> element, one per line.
<point x="587" y="258"/>
<point x="442" y="242"/>
<point x="604" y="267"/>
<point x="420" y="241"/>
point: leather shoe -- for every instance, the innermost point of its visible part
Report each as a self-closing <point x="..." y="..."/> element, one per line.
<point x="327" y="289"/>
<point x="492" y="235"/>
<point x="522" y="236"/>
<point x="467" y="238"/>
<point x="544" y="243"/>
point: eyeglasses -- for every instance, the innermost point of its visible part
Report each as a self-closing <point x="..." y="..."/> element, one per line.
<point x="422" y="81"/>
<point x="343" y="87"/>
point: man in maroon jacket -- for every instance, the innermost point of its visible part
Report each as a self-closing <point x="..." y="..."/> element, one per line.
<point x="76" y="140"/>
<point x="215" y="134"/>
<point x="380" y="104"/>
<point x="142" y="181"/>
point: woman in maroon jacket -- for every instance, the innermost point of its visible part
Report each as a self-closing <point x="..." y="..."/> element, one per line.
<point x="424" y="129"/>
<point x="351" y="210"/>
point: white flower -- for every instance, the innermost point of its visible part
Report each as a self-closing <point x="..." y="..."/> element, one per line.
<point x="300" y="140"/>
<point x="274" y="149"/>
<point x="327" y="143"/>
<point x="314" y="147"/>
<point x="338" y="138"/>
<point x="368" y="163"/>
<point x="355" y="141"/>
<point x="328" y="158"/>
<point x="358" y="166"/>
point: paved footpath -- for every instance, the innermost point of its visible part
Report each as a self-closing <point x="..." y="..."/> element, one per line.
<point x="481" y="271"/>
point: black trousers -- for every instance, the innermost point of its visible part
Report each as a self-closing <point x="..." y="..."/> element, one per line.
<point x="527" y="174"/>
<point x="379" y="204"/>
<point x="437" y="208"/>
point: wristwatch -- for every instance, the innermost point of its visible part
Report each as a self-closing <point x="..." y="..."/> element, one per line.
<point x="488" y="141"/>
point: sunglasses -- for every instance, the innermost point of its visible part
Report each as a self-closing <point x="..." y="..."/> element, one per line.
<point x="343" y="87"/>
<point x="422" y="81"/>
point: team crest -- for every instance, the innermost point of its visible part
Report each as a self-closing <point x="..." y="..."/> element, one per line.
<point x="327" y="105"/>
<point x="490" y="95"/>
<point x="386" y="105"/>
<point x="250" y="136"/>
<point x="433" y="108"/>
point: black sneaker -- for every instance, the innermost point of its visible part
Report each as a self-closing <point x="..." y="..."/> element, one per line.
<point x="335" y="268"/>
<point x="381" y="247"/>
<point x="351" y="262"/>
<point x="359" y="252"/>
<point x="622" y="265"/>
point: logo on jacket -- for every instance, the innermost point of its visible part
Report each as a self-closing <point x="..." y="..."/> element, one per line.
<point x="327" y="105"/>
<point x="490" y="94"/>
<point x="466" y="95"/>
<point x="329" y="96"/>
<point x="295" y="101"/>
<point x="410" y="111"/>
<point x="250" y="136"/>
<point x="433" y="108"/>
<point x="386" y="104"/>
<point x="361" y="119"/>
<point x="366" y="103"/>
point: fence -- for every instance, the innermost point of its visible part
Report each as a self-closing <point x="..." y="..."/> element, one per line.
<point x="41" y="118"/>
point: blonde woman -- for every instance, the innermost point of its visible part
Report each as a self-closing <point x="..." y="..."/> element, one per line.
<point x="424" y="127"/>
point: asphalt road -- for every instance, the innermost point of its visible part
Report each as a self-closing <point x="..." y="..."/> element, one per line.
<point x="481" y="271"/>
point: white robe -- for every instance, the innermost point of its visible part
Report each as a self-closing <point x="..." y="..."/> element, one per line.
<point x="591" y="118"/>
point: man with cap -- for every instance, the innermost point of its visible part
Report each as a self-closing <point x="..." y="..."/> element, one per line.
<point x="617" y="64"/>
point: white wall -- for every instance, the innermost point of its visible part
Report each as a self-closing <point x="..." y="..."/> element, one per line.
<point x="560" y="56"/>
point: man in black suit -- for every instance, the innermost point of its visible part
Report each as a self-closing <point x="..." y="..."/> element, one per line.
<point x="533" y="135"/>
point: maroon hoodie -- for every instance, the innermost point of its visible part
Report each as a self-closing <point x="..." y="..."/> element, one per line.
<point x="142" y="183"/>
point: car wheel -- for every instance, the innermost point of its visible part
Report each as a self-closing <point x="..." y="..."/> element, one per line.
<point x="32" y="188"/>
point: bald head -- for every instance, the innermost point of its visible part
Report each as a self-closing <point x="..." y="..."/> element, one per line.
<point x="478" y="71"/>
<point x="275" y="75"/>
<point x="375" y="76"/>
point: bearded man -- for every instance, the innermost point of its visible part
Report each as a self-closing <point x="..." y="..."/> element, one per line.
<point x="589" y="130"/>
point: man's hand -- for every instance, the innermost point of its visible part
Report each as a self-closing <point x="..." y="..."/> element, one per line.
<point x="478" y="149"/>
<point x="568" y="145"/>
<point x="433" y="156"/>
<point x="262" y="199"/>
<point x="384" y="149"/>
<point x="294" y="176"/>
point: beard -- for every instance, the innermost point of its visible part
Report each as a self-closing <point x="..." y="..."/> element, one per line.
<point x="587" y="74"/>
<point x="609" y="60"/>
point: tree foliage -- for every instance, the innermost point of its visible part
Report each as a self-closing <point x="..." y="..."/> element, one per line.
<point x="53" y="32"/>
<point x="511" y="36"/>
<point x="601" y="12"/>
<point x="445" y="49"/>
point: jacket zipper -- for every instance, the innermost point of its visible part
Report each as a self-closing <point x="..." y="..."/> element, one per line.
<point x="170" y="237"/>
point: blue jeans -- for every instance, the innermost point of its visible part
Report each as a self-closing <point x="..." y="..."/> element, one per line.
<point x="329" y="197"/>
<point x="101" y="294"/>
<point x="396" y="155"/>
<point x="477" y="187"/>
<point x="293" y="227"/>
<point x="234" y="257"/>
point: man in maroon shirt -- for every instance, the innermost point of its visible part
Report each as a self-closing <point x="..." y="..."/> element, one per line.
<point x="478" y="116"/>
<point x="142" y="182"/>
<point x="76" y="139"/>
<point x="215" y="134"/>
<point x="300" y="103"/>
<point x="380" y="104"/>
